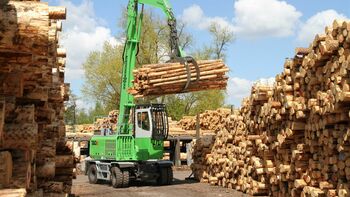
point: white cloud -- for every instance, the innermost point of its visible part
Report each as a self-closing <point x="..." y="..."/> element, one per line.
<point x="194" y="16"/>
<point x="316" y="24"/>
<point x="253" y="18"/>
<point x="83" y="33"/>
<point x="239" y="88"/>
<point x="259" y="18"/>
<point x="73" y="74"/>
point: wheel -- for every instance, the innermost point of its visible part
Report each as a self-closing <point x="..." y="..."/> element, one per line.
<point x="162" y="179"/>
<point x="126" y="178"/>
<point x="116" y="177"/>
<point x="165" y="176"/>
<point x="170" y="176"/>
<point x="92" y="174"/>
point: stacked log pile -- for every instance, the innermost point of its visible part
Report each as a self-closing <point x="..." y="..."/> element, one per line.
<point x="327" y="128"/>
<point x="233" y="160"/>
<point x="200" y="150"/>
<point x="82" y="128"/>
<point x="32" y="95"/>
<point x="107" y="122"/>
<point x="291" y="139"/>
<point x="171" y="78"/>
<point x="211" y="120"/>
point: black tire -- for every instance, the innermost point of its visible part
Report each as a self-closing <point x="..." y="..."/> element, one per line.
<point x="165" y="176"/>
<point x="92" y="174"/>
<point x="170" y="176"/>
<point x="126" y="178"/>
<point x="116" y="177"/>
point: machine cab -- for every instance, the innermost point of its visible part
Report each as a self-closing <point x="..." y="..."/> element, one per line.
<point x="151" y="121"/>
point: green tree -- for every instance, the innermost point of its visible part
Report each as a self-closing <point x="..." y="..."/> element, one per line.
<point x="83" y="117"/>
<point x="98" y="110"/>
<point x="70" y="109"/>
<point x="208" y="100"/>
<point x="103" y="76"/>
<point x="222" y="37"/>
<point x="175" y="106"/>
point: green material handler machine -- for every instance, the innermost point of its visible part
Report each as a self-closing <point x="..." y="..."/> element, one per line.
<point x="134" y="152"/>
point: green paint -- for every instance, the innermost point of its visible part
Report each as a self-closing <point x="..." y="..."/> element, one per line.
<point x="125" y="148"/>
<point x="148" y="148"/>
<point x="119" y="147"/>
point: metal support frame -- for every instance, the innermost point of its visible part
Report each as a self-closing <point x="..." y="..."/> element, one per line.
<point x="198" y="131"/>
<point x="177" y="153"/>
<point x="103" y="170"/>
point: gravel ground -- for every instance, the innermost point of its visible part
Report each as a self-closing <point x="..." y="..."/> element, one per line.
<point x="179" y="188"/>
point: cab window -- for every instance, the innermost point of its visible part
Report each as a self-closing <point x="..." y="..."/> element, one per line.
<point x="143" y="121"/>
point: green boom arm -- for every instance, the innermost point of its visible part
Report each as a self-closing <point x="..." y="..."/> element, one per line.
<point x="133" y="34"/>
<point x="162" y="4"/>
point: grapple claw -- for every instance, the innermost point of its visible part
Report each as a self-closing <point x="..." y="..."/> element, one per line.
<point x="186" y="61"/>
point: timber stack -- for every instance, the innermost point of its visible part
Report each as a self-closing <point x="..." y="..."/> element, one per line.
<point x="233" y="161"/>
<point x="174" y="78"/>
<point x="34" y="159"/>
<point x="107" y="122"/>
<point x="211" y="120"/>
<point x="201" y="150"/>
<point x="292" y="138"/>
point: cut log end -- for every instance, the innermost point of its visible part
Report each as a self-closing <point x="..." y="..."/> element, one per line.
<point x="57" y="12"/>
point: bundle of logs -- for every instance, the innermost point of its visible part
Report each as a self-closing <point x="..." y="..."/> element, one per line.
<point x="33" y="154"/>
<point x="172" y="78"/>
<point x="290" y="139"/>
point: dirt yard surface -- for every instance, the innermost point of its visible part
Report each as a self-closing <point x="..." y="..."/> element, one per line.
<point x="180" y="188"/>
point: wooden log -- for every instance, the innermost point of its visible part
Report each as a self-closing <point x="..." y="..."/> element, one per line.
<point x="21" y="174"/>
<point x="6" y="167"/>
<point x="12" y="84"/>
<point x="64" y="161"/>
<point x="64" y="171"/>
<point x="59" y="25"/>
<point x="57" y="12"/>
<point x="13" y="192"/>
<point x="20" y="136"/>
<point x="302" y="51"/>
<point x="2" y="118"/>
<point x="38" y="93"/>
<point x="61" y="52"/>
<point x="20" y="35"/>
<point x="52" y="186"/>
<point x="46" y="169"/>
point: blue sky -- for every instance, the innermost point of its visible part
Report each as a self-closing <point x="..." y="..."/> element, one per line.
<point x="266" y="31"/>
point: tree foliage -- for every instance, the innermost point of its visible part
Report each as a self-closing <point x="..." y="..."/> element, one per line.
<point x="222" y="37"/>
<point x="70" y="109"/>
<point x="103" y="76"/>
